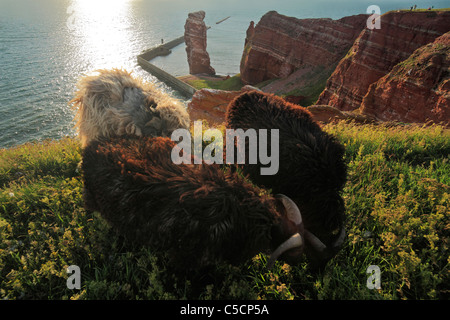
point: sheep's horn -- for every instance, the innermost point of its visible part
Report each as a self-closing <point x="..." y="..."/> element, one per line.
<point x="293" y="242"/>
<point x="340" y="240"/>
<point x="315" y="242"/>
<point x="292" y="211"/>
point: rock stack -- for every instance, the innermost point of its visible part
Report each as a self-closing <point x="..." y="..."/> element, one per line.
<point x="195" y="39"/>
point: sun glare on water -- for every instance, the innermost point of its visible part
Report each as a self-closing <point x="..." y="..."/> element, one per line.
<point x="101" y="29"/>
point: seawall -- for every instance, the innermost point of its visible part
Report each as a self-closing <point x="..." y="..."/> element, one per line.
<point x="162" y="50"/>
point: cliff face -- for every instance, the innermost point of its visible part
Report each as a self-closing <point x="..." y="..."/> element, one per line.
<point x="415" y="90"/>
<point x="301" y="49"/>
<point x="399" y="72"/>
<point x="195" y="39"/>
<point x="375" y="52"/>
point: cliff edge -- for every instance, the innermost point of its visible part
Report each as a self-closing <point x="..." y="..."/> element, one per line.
<point x="300" y="53"/>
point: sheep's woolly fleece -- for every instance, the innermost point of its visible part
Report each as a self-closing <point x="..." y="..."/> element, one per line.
<point x="196" y="214"/>
<point x="113" y="103"/>
<point x="312" y="169"/>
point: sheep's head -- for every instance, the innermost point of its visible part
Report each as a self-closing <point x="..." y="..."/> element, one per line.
<point x="324" y="217"/>
<point x="112" y="103"/>
<point x="293" y="239"/>
<point x="288" y="235"/>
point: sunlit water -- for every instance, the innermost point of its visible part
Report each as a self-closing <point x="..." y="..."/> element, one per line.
<point x="46" y="45"/>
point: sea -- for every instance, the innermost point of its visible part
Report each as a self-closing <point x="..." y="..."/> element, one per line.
<point x="47" y="45"/>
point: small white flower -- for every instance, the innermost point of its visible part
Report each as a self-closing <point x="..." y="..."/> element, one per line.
<point x="11" y="194"/>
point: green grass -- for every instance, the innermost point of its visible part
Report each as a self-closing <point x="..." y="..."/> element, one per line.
<point x="421" y="60"/>
<point x="314" y="87"/>
<point x="397" y="198"/>
<point x="312" y="91"/>
<point x="233" y="83"/>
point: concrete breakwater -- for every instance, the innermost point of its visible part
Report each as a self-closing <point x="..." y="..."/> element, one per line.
<point x="163" y="50"/>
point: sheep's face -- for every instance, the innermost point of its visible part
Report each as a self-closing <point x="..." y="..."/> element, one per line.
<point x="325" y="231"/>
<point x="293" y="240"/>
<point x="316" y="188"/>
<point x="112" y="103"/>
<point x="165" y="119"/>
<point x="287" y="235"/>
<point x="314" y="183"/>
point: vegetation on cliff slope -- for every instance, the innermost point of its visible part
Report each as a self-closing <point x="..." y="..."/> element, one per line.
<point x="397" y="196"/>
<point x="309" y="92"/>
<point x="233" y="83"/>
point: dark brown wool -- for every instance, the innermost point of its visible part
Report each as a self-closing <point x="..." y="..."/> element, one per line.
<point x="197" y="214"/>
<point x="312" y="170"/>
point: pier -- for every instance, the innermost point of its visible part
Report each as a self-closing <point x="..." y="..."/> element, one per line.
<point x="220" y="21"/>
<point x="163" y="50"/>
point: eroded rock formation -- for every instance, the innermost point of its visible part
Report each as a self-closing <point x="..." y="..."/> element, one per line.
<point x="397" y="73"/>
<point x="301" y="53"/>
<point x="195" y="39"/>
<point x="375" y="52"/>
<point x="415" y="90"/>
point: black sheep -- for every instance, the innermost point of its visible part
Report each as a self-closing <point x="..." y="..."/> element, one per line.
<point x="197" y="214"/>
<point x="312" y="171"/>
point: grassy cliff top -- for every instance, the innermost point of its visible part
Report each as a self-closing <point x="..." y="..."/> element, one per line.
<point x="233" y="83"/>
<point x="397" y="198"/>
<point x="422" y="10"/>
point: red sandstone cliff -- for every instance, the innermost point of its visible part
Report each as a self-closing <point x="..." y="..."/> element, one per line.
<point x="211" y="104"/>
<point x="399" y="72"/>
<point x="375" y="52"/>
<point x="302" y="53"/>
<point x="417" y="89"/>
<point x="195" y="39"/>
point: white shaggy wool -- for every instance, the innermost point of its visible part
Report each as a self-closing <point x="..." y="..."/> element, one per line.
<point x="113" y="103"/>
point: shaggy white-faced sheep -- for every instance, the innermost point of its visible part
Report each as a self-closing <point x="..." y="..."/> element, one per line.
<point x="113" y="103"/>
